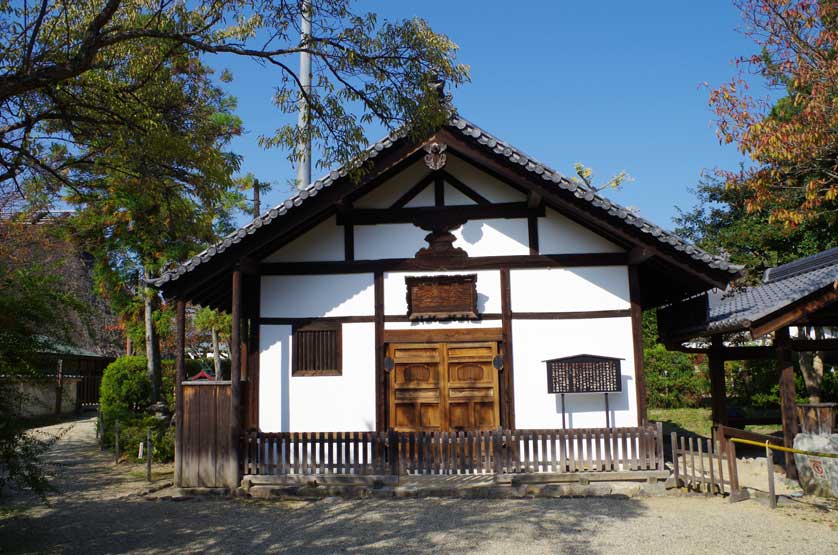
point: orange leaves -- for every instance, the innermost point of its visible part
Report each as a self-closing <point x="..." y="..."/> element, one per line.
<point x="793" y="143"/>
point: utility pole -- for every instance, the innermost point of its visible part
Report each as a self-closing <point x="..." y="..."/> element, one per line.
<point x="257" y="205"/>
<point x="304" y="148"/>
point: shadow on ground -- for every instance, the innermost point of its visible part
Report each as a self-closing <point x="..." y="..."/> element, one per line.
<point x="97" y="512"/>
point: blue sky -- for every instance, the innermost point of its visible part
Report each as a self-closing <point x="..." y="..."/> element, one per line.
<point x="613" y="85"/>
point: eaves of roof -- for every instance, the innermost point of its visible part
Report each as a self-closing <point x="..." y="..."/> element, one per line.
<point x="499" y="148"/>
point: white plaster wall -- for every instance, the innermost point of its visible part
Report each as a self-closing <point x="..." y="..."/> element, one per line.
<point x="537" y="340"/>
<point x="425" y="198"/>
<point x="558" y="234"/>
<point x="493" y="237"/>
<point x="317" y="296"/>
<point x="389" y="192"/>
<point x="491" y="188"/>
<point x="569" y="289"/>
<point x="323" y="242"/>
<point x="453" y="197"/>
<point x="373" y="242"/>
<point x="343" y="403"/>
<point x="488" y="290"/>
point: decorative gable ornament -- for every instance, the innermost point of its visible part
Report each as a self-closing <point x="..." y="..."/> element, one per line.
<point x="435" y="158"/>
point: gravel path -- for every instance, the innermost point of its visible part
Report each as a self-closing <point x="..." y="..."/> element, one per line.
<point x="99" y="514"/>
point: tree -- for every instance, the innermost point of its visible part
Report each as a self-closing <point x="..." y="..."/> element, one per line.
<point x="109" y="107"/>
<point x="723" y="222"/>
<point x="57" y="57"/>
<point x="35" y="309"/>
<point x="219" y="325"/>
<point x="793" y="143"/>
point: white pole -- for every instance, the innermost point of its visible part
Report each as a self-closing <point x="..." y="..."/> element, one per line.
<point x="304" y="152"/>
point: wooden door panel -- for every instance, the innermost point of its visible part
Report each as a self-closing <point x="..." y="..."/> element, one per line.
<point x="443" y="386"/>
<point x="472" y="386"/>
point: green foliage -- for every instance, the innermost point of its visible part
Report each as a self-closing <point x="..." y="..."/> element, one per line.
<point x="125" y="395"/>
<point x="673" y="379"/>
<point x="35" y="306"/>
<point x="721" y="222"/>
<point x="125" y="392"/>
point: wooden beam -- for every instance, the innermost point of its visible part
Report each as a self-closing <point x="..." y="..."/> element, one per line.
<point x="441" y="264"/>
<point x="796" y="311"/>
<point x="381" y="378"/>
<point x="637" y="342"/>
<point x="411" y="193"/>
<point x="235" y="379"/>
<point x="532" y="235"/>
<point x="180" y="376"/>
<point x="443" y="335"/>
<point x="465" y="189"/>
<point x="804" y="345"/>
<point x="788" y="409"/>
<point x="349" y="243"/>
<point x="439" y="191"/>
<point x="718" y="392"/>
<point x="534" y="199"/>
<point x="570" y="315"/>
<point x="508" y="408"/>
<point x="641" y="254"/>
<point x="441" y="214"/>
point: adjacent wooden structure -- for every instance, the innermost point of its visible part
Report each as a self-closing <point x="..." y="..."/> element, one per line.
<point x="797" y="295"/>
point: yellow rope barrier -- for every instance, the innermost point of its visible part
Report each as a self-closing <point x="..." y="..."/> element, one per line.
<point x="782" y="448"/>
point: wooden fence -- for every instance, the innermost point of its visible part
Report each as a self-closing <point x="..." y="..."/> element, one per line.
<point x="699" y="464"/>
<point x="443" y="453"/>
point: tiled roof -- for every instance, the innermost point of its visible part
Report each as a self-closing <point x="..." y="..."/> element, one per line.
<point x="500" y="148"/>
<point x="736" y="309"/>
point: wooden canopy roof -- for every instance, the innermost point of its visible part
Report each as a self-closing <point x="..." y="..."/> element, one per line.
<point x="801" y="292"/>
<point x="670" y="268"/>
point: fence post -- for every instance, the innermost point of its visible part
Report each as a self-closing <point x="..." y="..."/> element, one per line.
<point x="769" y="462"/>
<point x="116" y="442"/>
<point x="148" y="446"/>
<point x="101" y="429"/>
<point x="674" y="439"/>
<point x="659" y="427"/>
<point x="496" y="453"/>
<point x="393" y="451"/>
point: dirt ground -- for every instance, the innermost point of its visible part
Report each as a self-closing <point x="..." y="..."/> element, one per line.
<point x="99" y="511"/>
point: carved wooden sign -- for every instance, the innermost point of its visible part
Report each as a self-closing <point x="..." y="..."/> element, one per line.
<point x="442" y="297"/>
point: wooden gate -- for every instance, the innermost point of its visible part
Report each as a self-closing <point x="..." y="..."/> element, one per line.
<point x="206" y="450"/>
<point x="443" y="387"/>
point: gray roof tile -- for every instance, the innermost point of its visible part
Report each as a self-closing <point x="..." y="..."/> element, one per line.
<point x="736" y="309"/>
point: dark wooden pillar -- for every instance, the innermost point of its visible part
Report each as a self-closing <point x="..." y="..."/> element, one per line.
<point x="507" y="412"/>
<point x="381" y="379"/>
<point x="718" y="391"/>
<point x="235" y="378"/>
<point x="637" y="336"/>
<point x="782" y="343"/>
<point x="180" y="374"/>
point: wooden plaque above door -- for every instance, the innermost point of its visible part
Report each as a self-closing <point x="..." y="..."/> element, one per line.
<point x="442" y="297"/>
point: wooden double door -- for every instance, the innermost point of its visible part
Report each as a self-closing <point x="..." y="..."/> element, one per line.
<point x="443" y="386"/>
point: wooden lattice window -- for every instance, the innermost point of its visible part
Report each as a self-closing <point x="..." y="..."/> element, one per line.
<point x="316" y="350"/>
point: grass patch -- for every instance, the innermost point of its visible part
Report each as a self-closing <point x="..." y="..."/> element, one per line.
<point x="155" y="474"/>
<point x="696" y="421"/>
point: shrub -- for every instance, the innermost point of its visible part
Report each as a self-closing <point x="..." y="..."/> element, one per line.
<point x="125" y="395"/>
<point x="673" y="380"/>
